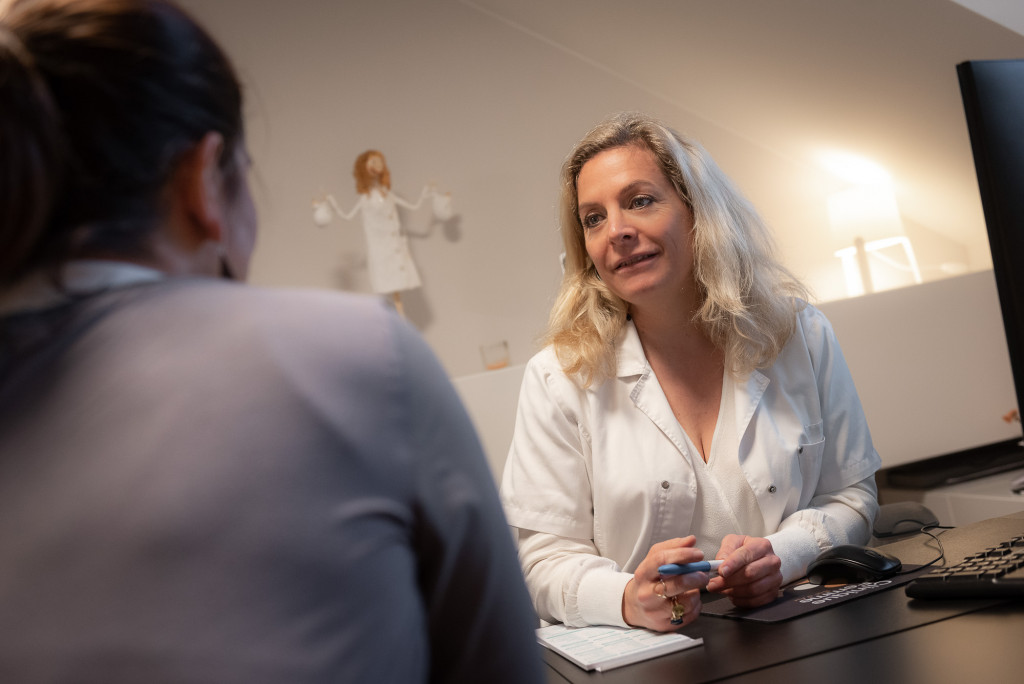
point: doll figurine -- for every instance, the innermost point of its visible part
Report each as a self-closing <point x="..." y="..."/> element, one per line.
<point x="392" y="269"/>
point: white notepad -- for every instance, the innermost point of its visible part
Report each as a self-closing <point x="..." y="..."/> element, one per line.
<point x="605" y="648"/>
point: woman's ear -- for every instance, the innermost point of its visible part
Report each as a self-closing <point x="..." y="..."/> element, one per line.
<point x="200" y="188"/>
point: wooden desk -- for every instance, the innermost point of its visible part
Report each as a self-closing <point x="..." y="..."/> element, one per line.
<point x="880" y="637"/>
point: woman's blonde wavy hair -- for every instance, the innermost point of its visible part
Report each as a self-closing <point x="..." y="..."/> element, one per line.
<point x="747" y="299"/>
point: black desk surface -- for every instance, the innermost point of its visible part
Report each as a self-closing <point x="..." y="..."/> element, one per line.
<point x="885" y="635"/>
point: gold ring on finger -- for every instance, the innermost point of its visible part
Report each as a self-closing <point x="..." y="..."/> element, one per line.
<point x="678" y="612"/>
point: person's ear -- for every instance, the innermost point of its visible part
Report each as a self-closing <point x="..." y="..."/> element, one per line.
<point x="201" y="188"/>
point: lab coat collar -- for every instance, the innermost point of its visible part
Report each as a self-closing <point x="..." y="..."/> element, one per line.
<point x="747" y="396"/>
<point x="632" y="363"/>
<point x="630" y="360"/>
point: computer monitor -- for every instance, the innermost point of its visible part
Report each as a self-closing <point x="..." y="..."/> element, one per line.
<point x="993" y="96"/>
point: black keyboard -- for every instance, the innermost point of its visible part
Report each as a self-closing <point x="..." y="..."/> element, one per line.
<point x="997" y="572"/>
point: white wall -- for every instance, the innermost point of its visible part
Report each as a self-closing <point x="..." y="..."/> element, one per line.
<point x="1009" y="13"/>
<point x="490" y="399"/>
<point x="930" y="364"/>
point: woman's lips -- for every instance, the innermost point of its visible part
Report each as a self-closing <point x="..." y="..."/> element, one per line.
<point x="633" y="260"/>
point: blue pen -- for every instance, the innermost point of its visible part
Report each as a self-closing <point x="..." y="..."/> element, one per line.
<point x="687" y="568"/>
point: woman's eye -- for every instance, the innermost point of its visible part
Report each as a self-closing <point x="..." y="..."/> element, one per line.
<point x="640" y="201"/>
<point x="591" y="220"/>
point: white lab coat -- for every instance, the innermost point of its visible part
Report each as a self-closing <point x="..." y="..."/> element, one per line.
<point x="595" y="477"/>
<point x="387" y="247"/>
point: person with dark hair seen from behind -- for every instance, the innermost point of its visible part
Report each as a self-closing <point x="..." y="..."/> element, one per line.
<point x="202" y="481"/>
<point x="689" y="403"/>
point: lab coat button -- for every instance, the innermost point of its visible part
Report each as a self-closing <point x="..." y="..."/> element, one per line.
<point x="664" y="484"/>
<point x="772" y="489"/>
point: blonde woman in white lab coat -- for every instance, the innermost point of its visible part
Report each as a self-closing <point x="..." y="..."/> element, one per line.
<point x="688" y="404"/>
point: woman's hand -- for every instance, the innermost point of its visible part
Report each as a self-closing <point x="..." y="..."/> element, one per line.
<point x="649" y="598"/>
<point x="751" y="574"/>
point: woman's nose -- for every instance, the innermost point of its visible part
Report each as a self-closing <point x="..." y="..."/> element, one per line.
<point x="620" y="228"/>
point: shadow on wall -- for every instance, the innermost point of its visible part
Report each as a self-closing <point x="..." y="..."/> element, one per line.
<point x="417" y="309"/>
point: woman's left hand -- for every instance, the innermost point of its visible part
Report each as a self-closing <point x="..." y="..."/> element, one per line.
<point x="751" y="574"/>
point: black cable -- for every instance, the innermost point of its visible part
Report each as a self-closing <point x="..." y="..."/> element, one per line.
<point x="942" y="551"/>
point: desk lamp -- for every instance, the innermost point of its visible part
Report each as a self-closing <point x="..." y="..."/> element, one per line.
<point x="867" y="216"/>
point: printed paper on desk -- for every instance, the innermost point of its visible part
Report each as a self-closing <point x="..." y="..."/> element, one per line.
<point x="605" y="648"/>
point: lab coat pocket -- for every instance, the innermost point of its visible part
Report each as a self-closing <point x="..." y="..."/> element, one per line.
<point x="810" y="448"/>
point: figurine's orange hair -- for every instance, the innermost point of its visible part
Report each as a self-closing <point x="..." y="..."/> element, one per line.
<point x="364" y="181"/>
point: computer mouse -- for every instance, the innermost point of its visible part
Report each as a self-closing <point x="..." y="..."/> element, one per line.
<point x="849" y="563"/>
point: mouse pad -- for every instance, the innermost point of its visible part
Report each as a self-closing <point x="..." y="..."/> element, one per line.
<point x="801" y="598"/>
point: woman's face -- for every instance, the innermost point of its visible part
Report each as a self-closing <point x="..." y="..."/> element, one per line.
<point x="637" y="230"/>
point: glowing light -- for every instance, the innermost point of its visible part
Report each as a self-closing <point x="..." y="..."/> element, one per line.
<point x="855" y="169"/>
